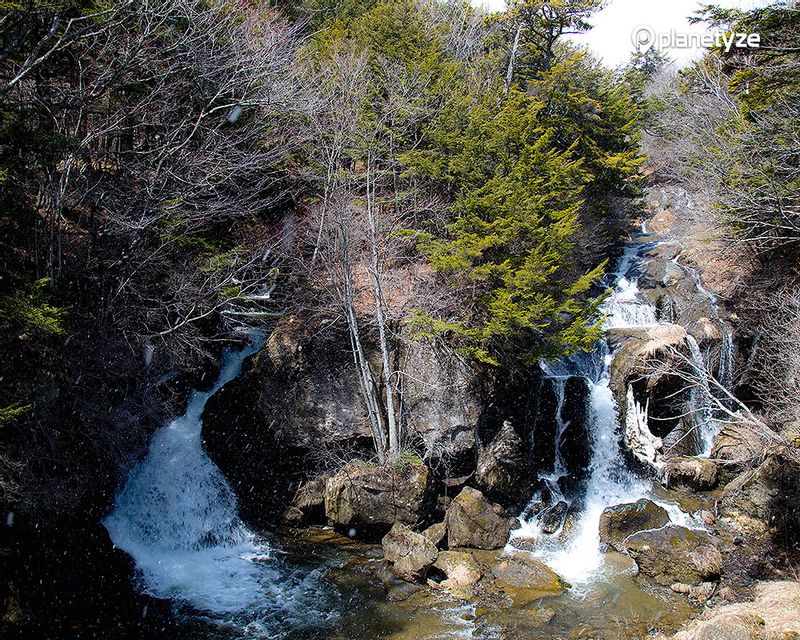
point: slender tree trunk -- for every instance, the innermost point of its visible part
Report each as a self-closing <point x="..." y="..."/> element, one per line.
<point x="512" y="59"/>
<point x="394" y="435"/>
<point x="365" y="377"/>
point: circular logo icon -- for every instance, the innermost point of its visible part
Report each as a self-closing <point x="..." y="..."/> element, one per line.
<point x="643" y="38"/>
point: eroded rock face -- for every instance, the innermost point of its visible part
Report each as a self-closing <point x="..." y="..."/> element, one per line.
<point x="410" y="554"/>
<point x="687" y="472"/>
<point x="737" y="445"/>
<point x="675" y="554"/>
<point x="622" y="520"/>
<point x="443" y="397"/>
<point x="365" y="495"/>
<point x="525" y="579"/>
<point x="474" y="522"/>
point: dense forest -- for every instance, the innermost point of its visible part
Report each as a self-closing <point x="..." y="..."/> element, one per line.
<point x="389" y="173"/>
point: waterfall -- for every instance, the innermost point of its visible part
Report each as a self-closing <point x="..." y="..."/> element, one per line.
<point x="177" y="517"/>
<point x="576" y="554"/>
<point x="725" y="371"/>
<point x="700" y="400"/>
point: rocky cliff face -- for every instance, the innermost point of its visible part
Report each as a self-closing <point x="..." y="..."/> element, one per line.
<point x="297" y="411"/>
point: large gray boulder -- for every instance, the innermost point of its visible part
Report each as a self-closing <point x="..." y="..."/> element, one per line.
<point x="675" y="554"/>
<point x="364" y="494"/>
<point x="410" y="554"/>
<point x="443" y="397"/>
<point x="474" y="522"/>
<point x="622" y="520"/>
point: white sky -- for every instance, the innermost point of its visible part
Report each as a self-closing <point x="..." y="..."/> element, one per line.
<point x="610" y="39"/>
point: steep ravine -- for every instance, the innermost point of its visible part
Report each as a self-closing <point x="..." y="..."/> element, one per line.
<point x="246" y="520"/>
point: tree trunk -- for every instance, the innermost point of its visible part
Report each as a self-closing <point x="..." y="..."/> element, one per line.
<point x="394" y="435"/>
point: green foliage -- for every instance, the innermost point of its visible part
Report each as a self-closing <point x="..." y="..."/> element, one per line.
<point x="27" y="310"/>
<point x="407" y="458"/>
<point x="13" y="411"/>
<point x="515" y="215"/>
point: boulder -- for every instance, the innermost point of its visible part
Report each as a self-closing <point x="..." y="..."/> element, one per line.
<point x="472" y="521"/>
<point x="774" y="614"/>
<point x="436" y="533"/>
<point x="552" y="518"/>
<point x="367" y="495"/>
<point x="501" y="464"/>
<point x="525" y="579"/>
<point x="622" y="520"/>
<point x="461" y="569"/>
<point x="675" y="554"/>
<point x="410" y="554"/>
<point x="687" y="472"/>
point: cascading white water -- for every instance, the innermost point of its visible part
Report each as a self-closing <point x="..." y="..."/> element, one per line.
<point x="700" y="401"/>
<point x="577" y="557"/>
<point x="177" y="517"/>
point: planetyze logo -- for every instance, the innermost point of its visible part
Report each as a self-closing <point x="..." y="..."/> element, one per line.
<point x="644" y="37"/>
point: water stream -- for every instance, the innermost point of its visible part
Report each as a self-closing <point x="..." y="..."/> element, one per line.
<point x="177" y="517"/>
<point x="576" y="554"/>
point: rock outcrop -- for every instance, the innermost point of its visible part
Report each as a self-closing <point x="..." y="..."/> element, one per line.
<point x="308" y="504"/>
<point x="410" y="554"/>
<point x="675" y="554"/>
<point x="443" y="397"/>
<point x="367" y="496"/>
<point x="622" y="520"/>
<point x="768" y="493"/>
<point x="472" y="521"/>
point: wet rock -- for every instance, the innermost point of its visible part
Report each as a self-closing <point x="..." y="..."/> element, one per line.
<point x="372" y="496"/>
<point x="436" y="533"/>
<point x="524" y="543"/>
<point x="576" y="442"/>
<point x="524" y="579"/>
<point x="552" y="519"/>
<point x="685" y="472"/>
<point x="542" y="498"/>
<point x="472" y="521"/>
<point x="410" y="554"/>
<point x="501" y="464"/>
<point x="675" y="554"/>
<point x="541" y="616"/>
<point x="461" y="569"/>
<point x="622" y="520"/>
